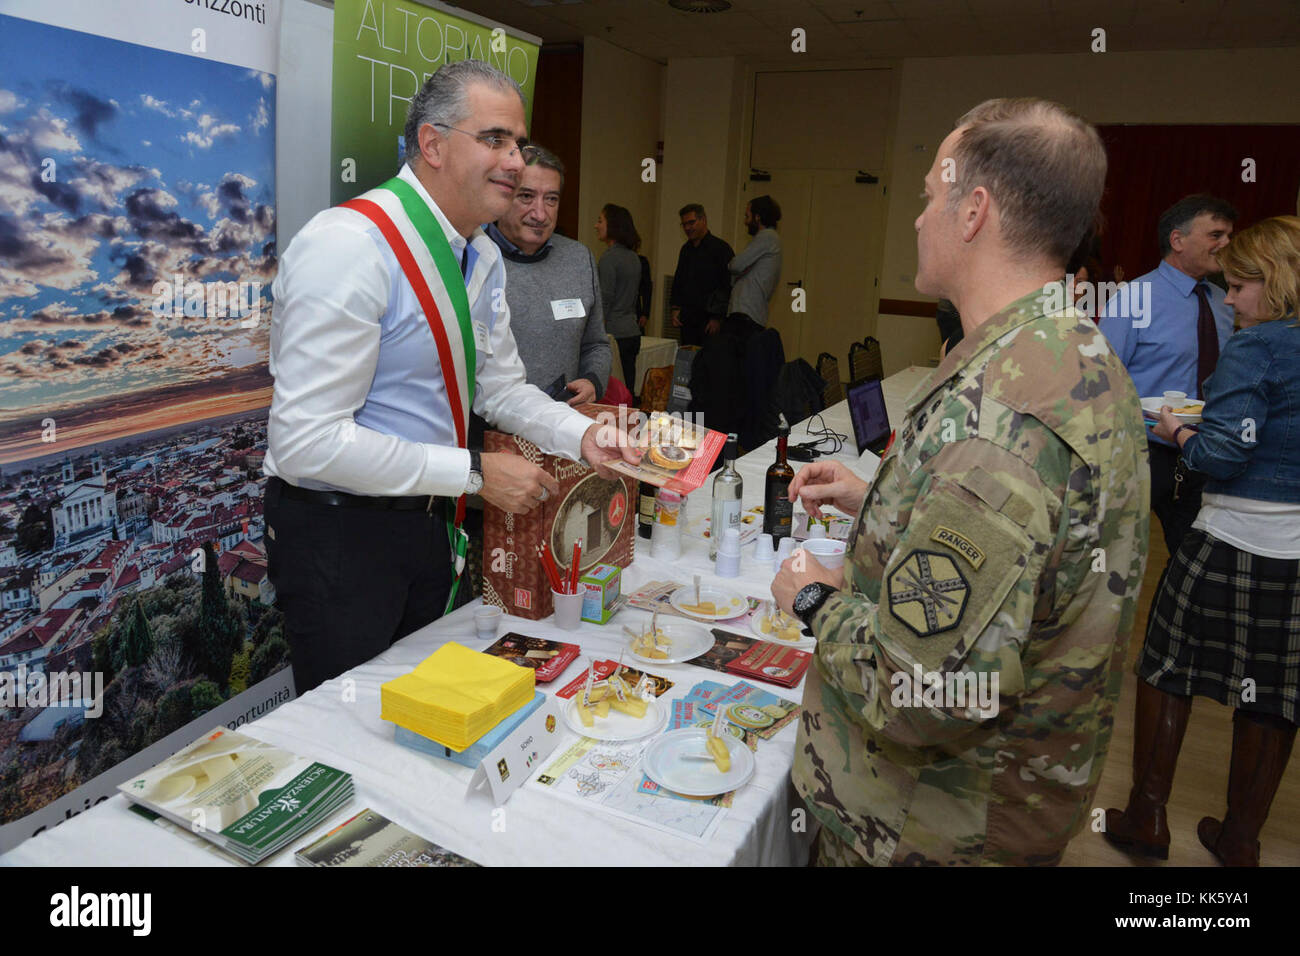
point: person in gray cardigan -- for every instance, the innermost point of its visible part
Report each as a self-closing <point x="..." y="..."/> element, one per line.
<point x="620" y="277"/>
<point x="757" y="269"/>
<point x="556" y="312"/>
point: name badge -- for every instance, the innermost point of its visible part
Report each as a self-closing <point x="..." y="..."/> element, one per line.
<point x="481" y="340"/>
<point x="567" y="309"/>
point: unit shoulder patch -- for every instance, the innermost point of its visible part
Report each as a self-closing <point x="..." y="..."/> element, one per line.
<point x="928" y="593"/>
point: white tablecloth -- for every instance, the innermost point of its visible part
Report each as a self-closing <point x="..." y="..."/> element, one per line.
<point x="338" y="724"/>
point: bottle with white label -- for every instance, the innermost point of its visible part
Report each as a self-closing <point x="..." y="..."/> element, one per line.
<point x="727" y="489"/>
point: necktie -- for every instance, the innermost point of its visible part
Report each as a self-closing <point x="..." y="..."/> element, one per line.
<point x="1207" y="340"/>
<point x="464" y="266"/>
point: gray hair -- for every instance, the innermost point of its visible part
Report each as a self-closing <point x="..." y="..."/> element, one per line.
<point x="443" y="100"/>
<point x="1043" y="164"/>
<point x="547" y="160"/>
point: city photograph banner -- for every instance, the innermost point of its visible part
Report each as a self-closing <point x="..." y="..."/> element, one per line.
<point x="138" y="229"/>
<point x="384" y="50"/>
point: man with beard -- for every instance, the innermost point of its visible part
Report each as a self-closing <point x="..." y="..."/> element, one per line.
<point x="756" y="270"/>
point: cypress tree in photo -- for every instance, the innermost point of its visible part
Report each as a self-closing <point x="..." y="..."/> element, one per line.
<point x="138" y="642"/>
<point x="219" y="636"/>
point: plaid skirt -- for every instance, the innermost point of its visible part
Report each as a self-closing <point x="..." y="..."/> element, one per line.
<point x="1226" y="625"/>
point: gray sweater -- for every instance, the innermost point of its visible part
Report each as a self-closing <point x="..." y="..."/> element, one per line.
<point x="550" y="347"/>
<point x="756" y="272"/>
<point x="620" y="276"/>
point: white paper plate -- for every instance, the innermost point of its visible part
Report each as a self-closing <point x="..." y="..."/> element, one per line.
<point x="617" y="726"/>
<point x="1153" y="405"/>
<point x="730" y="603"/>
<point x="688" y="642"/>
<point x="664" y="765"/>
<point x="806" y="642"/>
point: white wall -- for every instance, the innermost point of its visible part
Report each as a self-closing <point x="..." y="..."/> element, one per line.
<point x="621" y="127"/>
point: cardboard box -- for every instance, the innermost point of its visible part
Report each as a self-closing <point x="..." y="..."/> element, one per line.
<point x="600" y="511"/>
<point x="602" y="589"/>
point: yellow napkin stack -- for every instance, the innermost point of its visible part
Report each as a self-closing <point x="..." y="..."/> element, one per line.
<point x="456" y="695"/>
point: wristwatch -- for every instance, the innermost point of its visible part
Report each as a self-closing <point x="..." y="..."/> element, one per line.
<point x="810" y="599"/>
<point x="475" y="483"/>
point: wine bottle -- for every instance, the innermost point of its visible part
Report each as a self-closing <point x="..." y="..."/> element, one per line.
<point x="778" y="510"/>
<point x="645" y="517"/>
<point x="727" y="489"/>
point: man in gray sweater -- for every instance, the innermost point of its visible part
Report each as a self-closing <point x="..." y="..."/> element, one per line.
<point x="756" y="270"/>
<point x="552" y="290"/>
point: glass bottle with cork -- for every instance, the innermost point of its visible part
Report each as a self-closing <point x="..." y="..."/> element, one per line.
<point x="778" y="509"/>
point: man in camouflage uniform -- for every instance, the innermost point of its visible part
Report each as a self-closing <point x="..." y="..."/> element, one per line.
<point x="1003" y="538"/>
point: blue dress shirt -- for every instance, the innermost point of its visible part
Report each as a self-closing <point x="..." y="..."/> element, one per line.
<point x="1151" y="324"/>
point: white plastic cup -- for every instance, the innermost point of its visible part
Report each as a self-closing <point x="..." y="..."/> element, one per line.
<point x="764" y="552"/>
<point x="568" y="609"/>
<point x="816" y="530"/>
<point x="486" y="620"/>
<point x="828" y="552"/>
<point x="1175" y="398"/>
<point x="784" y="549"/>
<point x="727" y="564"/>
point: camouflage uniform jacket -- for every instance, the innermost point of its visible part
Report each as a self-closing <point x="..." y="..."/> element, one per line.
<point x="975" y="556"/>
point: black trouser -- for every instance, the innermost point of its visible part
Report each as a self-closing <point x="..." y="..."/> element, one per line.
<point x="352" y="580"/>
<point x="693" y="327"/>
<point x="628" y="349"/>
<point x="1176" y="517"/>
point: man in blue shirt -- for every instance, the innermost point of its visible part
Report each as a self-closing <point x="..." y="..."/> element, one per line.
<point x="1167" y="328"/>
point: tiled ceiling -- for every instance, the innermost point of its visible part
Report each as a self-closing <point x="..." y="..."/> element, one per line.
<point x="903" y="28"/>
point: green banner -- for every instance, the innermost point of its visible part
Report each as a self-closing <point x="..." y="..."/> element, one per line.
<point x="383" y="51"/>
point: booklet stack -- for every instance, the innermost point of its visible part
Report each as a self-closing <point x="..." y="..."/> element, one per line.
<point x="456" y="695"/>
<point x="248" y="798"/>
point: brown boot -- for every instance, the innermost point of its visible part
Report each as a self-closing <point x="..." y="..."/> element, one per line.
<point x="1161" y="720"/>
<point x="1260" y="751"/>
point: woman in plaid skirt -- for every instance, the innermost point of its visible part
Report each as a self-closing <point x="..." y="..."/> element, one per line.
<point x="1226" y="623"/>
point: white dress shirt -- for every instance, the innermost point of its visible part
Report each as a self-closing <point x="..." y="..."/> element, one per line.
<point x="359" y="403"/>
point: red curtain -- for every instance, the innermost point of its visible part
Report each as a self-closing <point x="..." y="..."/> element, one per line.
<point x="1152" y="167"/>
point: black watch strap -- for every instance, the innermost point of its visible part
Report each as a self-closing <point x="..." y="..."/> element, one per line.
<point x="810" y="599"/>
<point x="476" y="461"/>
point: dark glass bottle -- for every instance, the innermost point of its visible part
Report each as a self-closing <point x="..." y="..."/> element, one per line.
<point x="778" y="510"/>
<point x="645" y="516"/>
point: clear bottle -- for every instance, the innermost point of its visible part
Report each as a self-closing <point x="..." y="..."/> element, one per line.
<point x="727" y="489"/>
<point x="778" y="510"/>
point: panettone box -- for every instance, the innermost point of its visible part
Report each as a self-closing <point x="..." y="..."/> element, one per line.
<point x="600" y="511"/>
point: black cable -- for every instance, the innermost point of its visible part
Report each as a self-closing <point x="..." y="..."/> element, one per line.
<point x="823" y="433"/>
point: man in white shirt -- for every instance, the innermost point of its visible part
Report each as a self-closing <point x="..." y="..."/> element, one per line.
<point x="366" y="434"/>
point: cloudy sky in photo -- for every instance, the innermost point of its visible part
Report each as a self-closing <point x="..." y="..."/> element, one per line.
<point x="162" y="164"/>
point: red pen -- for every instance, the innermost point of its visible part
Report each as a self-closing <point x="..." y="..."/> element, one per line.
<point x="552" y="574"/>
<point x="573" y="571"/>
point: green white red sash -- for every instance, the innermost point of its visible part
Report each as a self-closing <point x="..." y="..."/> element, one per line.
<point x="422" y="250"/>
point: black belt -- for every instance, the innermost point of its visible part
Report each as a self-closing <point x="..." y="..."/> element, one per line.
<point x="341" y="499"/>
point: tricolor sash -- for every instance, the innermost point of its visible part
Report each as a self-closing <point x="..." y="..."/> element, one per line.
<point x="422" y="250"/>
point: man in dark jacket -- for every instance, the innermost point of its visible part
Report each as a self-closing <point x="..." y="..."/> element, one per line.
<point x="701" y="283"/>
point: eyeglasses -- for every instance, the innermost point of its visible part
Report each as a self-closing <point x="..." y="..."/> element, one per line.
<point x="495" y="141"/>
